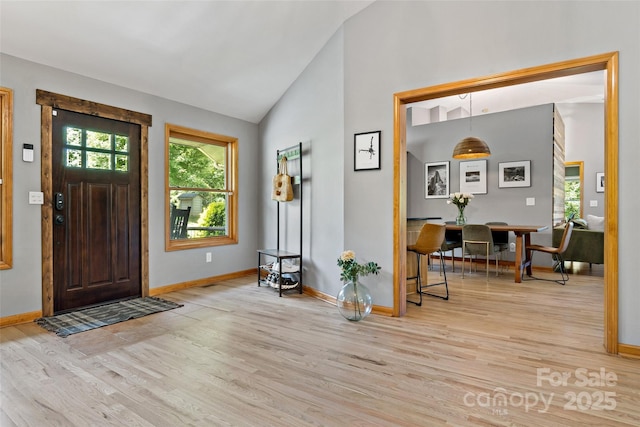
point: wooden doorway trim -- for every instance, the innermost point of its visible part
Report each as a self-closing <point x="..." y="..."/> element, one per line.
<point x="6" y="178"/>
<point x="607" y="62"/>
<point x="48" y="101"/>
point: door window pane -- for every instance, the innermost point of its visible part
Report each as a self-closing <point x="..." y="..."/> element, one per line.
<point x="96" y="150"/>
<point x="122" y="163"/>
<point x="122" y="143"/>
<point x="73" y="158"/>
<point x="98" y="160"/>
<point x="74" y="136"/>
<point x="98" y="140"/>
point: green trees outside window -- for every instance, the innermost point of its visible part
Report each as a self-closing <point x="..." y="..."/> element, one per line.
<point x="201" y="177"/>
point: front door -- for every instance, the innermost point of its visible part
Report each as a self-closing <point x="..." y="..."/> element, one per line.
<point x="96" y="210"/>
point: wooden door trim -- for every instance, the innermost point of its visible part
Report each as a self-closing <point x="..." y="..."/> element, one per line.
<point x="6" y="169"/>
<point x="607" y="62"/>
<point x="48" y="101"/>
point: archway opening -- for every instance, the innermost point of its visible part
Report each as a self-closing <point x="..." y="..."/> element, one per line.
<point x="607" y="62"/>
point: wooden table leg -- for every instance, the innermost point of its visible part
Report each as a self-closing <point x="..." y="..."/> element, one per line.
<point x="517" y="268"/>
<point x="520" y="265"/>
<point x="527" y="257"/>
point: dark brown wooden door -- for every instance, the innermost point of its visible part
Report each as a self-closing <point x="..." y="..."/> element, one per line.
<point x="96" y="210"/>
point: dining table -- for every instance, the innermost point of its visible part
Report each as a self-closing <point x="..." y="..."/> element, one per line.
<point x="523" y="239"/>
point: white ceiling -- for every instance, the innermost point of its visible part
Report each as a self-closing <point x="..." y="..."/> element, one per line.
<point x="563" y="91"/>
<point x="236" y="58"/>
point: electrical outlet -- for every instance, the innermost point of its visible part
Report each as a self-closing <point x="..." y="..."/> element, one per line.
<point x="512" y="247"/>
<point x="208" y="257"/>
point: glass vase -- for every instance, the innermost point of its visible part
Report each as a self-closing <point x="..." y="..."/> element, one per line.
<point x="354" y="301"/>
<point x="461" y="219"/>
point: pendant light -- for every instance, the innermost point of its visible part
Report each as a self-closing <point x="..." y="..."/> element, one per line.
<point x="471" y="147"/>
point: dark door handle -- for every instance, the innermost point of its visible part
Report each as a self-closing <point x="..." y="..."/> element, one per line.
<point x="59" y="219"/>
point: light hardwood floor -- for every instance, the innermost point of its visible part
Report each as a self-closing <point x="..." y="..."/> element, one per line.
<point x="236" y="354"/>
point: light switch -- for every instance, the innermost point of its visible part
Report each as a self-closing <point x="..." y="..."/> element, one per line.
<point x="593" y="203"/>
<point x="531" y="201"/>
<point x="36" y="197"/>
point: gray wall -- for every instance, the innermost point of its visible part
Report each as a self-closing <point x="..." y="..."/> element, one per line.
<point x="396" y="46"/>
<point x="584" y="141"/>
<point x="312" y="112"/>
<point x="523" y="134"/>
<point x="584" y="133"/>
<point x="20" y="287"/>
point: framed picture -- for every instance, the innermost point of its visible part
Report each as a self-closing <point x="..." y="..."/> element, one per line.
<point x="600" y="182"/>
<point x="514" y="174"/>
<point x="366" y="151"/>
<point x="473" y="177"/>
<point x="436" y="176"/>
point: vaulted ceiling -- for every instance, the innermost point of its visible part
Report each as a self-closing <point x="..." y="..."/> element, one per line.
<point x="235" y="58"/>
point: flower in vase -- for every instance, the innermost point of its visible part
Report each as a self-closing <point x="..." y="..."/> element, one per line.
<point x="350" y="269"/>
<point x="461" y="200"/>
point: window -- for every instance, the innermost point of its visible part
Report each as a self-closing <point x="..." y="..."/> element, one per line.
<point x="6" y="180"/>
<point x="573" y="189"/>
<point x="95" y="150"/>
<point x="201" y="193"/>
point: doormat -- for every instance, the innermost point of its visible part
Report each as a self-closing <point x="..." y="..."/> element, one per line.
<point x="96" y="317"/>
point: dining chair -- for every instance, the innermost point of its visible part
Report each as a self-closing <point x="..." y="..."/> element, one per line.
<point x="477" y="240"/>
<point x="452" y="240"/>
<point x="556" y="254"/>
<point x="429" y="241"/>
<point x="500" y="238"/>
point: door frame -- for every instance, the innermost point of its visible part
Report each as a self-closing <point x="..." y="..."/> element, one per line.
<point x="607" y="62"/>
<point x="48" y="101"/>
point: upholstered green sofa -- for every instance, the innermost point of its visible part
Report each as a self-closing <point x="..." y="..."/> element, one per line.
<point x="584" y="246"/>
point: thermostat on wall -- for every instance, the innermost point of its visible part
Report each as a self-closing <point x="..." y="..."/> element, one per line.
<point x="27" y="152"/>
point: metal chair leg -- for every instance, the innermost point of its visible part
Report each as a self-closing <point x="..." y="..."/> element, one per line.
<point x="453" y="262"/>
<point x="463" y="257"/>
<point x="418" y="282"/>
<point x="563" y="272"/>
<point x="564" y="276"/>
<point x="487" y="262"/>
<point x="446" y="285"/>
<point x="464" y="243"/>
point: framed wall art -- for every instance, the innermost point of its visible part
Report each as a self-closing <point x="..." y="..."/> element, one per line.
<point x="436" y="176"/>
<point x="473" y="177"/>
<point x="366" y="151"/>
<point x="514" y="174"/>
<point x="600" y="182"/>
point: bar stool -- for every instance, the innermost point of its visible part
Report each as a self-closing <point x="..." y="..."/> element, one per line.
<point x="429" y="241"/>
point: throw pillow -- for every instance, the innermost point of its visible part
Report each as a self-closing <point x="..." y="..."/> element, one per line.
<point x="579" y="223"/>
<point x="596" y="223"/>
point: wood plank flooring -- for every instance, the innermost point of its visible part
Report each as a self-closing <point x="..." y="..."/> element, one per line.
<point x="236" y="354"/>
